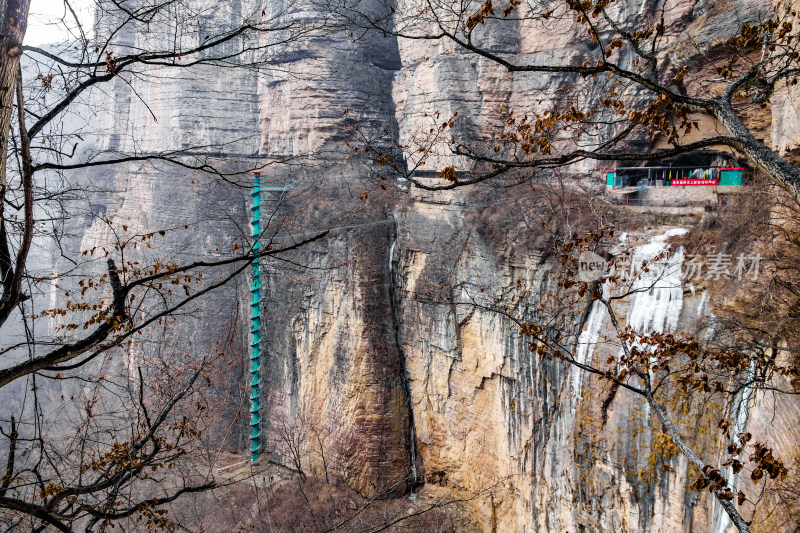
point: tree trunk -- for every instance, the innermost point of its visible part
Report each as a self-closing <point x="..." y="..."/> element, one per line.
<point x="15" y="21"/>
<point x="672" y="430"/>
<point x="776" y="168"/>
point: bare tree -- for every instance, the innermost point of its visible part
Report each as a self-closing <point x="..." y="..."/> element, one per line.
<point x="659" y="365"/>
<point x="100" y="434"/>
<point x="629" y="94"/>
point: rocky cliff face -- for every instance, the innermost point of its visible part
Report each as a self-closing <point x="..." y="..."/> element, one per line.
<point x="488" y="411"/>
<point x="380" y="345"/>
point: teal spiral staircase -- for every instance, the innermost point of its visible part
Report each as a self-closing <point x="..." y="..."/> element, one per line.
<point x="255" y="324"/>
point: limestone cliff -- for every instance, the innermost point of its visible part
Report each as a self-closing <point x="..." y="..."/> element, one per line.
<point x="380" y="342"/>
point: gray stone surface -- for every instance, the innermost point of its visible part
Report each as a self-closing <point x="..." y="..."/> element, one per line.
<point x="364" y="342"/>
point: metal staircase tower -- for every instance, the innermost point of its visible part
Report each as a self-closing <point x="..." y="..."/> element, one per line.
<point x="255" y="323"/>
<point x="274" y="192"/>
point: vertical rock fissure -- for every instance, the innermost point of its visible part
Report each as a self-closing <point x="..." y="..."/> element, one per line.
<point x="393" y="304"/>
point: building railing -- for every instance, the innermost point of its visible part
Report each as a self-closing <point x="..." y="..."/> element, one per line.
<point x="622" y="177"/>
<point x="646" y="202"/>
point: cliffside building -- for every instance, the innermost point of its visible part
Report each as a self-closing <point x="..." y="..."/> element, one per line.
<point x="672" y="185"/>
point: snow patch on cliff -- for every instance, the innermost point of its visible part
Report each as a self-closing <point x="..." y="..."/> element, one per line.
<point x="658" y="290"/>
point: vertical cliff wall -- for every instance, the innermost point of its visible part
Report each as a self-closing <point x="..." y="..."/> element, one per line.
<point x="379" y="340"/>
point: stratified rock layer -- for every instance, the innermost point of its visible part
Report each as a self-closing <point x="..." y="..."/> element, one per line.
<point x="378" y="348"/>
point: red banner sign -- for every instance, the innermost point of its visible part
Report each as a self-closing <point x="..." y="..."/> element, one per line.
<point x="680" y="183"/>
